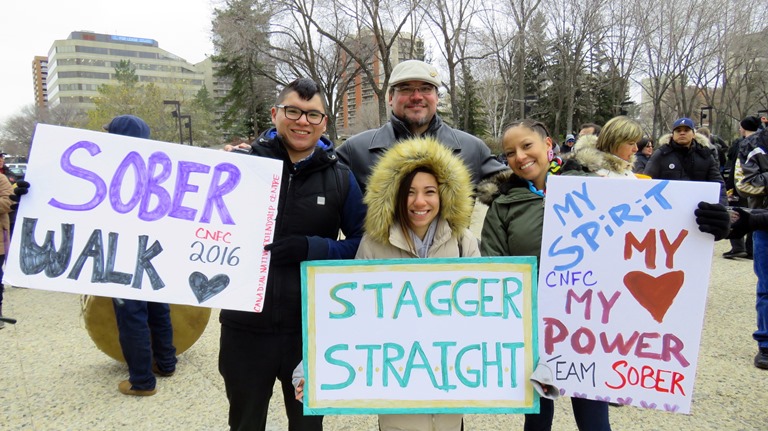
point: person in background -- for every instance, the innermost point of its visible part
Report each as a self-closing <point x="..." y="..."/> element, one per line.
<point x="718" y="144"/>
<point x="740" y="247"/>
<point x="419" y="202"/>
<point x="751" y="179"/>
<point x="6" y="203"/>
<point x="644" y="152"/>
<point x="318" y="198"/>
<point x="567" y="146"/>
<point x="413" y="97"/>
<point x="589" y="129"/>
<point x="12" y="178"/>
<point x="685" y="155"/>
<point x="144" y="328"/>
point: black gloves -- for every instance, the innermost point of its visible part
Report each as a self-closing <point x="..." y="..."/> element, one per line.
<point x="292" y="249"/>
<point x="742" y="226"/>
<point x="714" y="219"/>
<point x="22" y="187"/>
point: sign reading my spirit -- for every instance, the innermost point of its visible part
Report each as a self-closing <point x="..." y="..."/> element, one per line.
<point x="117" y="216"/>
<point x="419" y="335"/>
<point x="623" y="287"/>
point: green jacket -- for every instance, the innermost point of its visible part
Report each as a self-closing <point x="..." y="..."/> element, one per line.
<point x="509" y="199"/>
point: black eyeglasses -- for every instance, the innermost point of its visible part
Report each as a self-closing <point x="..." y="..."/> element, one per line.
<point x="425" y="90"/>
<point x="294" y="113"/>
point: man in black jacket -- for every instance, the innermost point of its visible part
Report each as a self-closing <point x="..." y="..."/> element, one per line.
<point x="685" y="155"/>
<point x="318" y="198"/>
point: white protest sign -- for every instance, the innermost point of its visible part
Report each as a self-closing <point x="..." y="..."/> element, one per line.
<point x="623" y="287"/>
<point x="117" y="216"/>
<point x="419" y="335"/>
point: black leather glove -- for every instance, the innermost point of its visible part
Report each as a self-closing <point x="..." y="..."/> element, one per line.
<point x="292" y="249"/>
<point x="714" y="219"/>
<point x="742" y="226"/>
<point x="22" y="188"/>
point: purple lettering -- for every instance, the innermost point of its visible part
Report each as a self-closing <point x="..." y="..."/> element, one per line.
<point x="68" y="167"/>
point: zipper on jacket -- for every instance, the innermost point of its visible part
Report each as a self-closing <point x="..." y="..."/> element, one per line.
<point x="276" y="312"/>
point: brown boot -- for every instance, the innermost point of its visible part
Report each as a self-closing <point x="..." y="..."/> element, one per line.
<point x="126" y="388"/>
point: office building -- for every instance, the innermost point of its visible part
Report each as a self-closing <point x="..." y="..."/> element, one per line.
<point x="78" y="65"/>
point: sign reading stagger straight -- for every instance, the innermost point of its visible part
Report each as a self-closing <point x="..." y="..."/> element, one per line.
<point x="122" y="217"/>
<point x="420" y="335"/>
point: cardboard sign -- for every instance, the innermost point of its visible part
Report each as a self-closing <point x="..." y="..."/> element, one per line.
<point x="419" y="335"/>
<point x="623" y="287"/>
<point x="123" y="217"/>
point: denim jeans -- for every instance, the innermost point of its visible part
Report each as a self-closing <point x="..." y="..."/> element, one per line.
<point x="146" y="335"/>
<point x="760" y="244"/>
<point x="590" y="415"/>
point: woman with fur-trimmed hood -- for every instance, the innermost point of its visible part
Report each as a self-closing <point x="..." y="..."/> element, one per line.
<point x="419" y="200"/>
<point x="612" y="154"/>
<point x="413" y="215"/>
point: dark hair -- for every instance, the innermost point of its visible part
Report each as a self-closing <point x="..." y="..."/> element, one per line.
<point x="597" y="128"/>
<point x="401" y="200"/>
<point x="304" y="87"/>
<point x="534" y="125"/>
<point x="643" y="143"/>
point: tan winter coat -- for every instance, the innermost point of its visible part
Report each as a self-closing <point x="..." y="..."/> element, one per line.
<point x="6" y="190"/>
<point x="383" y="238"/>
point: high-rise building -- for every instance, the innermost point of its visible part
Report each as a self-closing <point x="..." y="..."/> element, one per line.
<point x="40" y="81"/>
<point x="359" y="107"/>
<point x="78" y="65"/>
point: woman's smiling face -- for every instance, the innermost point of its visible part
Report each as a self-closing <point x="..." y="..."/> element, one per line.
<point x="527" y="154"/>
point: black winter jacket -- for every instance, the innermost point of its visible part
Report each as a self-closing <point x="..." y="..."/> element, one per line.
<point x="696" y="162"/>
<point x="318" y="197"/>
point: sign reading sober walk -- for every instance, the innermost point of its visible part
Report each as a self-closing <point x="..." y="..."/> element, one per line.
<point x="419" y="335"/>
<point x="117" y="216"/>
<point x="623" y="287"/>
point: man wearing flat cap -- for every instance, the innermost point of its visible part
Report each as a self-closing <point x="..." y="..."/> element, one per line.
<point x="413" y="97"/>
<point x="685" y="155"/>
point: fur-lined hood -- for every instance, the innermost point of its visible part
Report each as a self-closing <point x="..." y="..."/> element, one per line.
<point x="489" y="189"/>
<point x="453" y="178"/>
<point x="587" y="155"/>
<point x="698" y="137"/>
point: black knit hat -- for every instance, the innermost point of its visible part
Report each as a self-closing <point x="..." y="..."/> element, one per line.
<point x="750" y="124"/>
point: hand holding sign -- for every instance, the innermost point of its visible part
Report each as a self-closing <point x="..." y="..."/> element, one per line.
<point x="714" y="219"/>
<point x="22" y="188"/>
<point x="292" y="249"/>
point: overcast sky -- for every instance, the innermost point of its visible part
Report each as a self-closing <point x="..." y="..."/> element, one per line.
<point x="29" y="28"/>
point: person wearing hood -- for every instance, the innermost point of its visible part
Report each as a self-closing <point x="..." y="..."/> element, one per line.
<point x="567" y="146"/>
<point x="413" y="96"/>
<point x="515" y="218"/>
<point x="144" y="328"/>
<point x="318" y="198"/>
<point x="419" y="202"/>
<point x="685" y="155"/>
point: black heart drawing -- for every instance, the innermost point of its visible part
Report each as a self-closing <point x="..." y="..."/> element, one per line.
<point x="205" y="289"/>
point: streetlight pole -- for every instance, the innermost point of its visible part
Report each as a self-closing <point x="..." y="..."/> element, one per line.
<point x="177" y="115"/>
<point x="188" y="125"/>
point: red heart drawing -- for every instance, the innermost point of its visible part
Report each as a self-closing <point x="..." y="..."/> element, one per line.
<point x="655" y="294"/>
